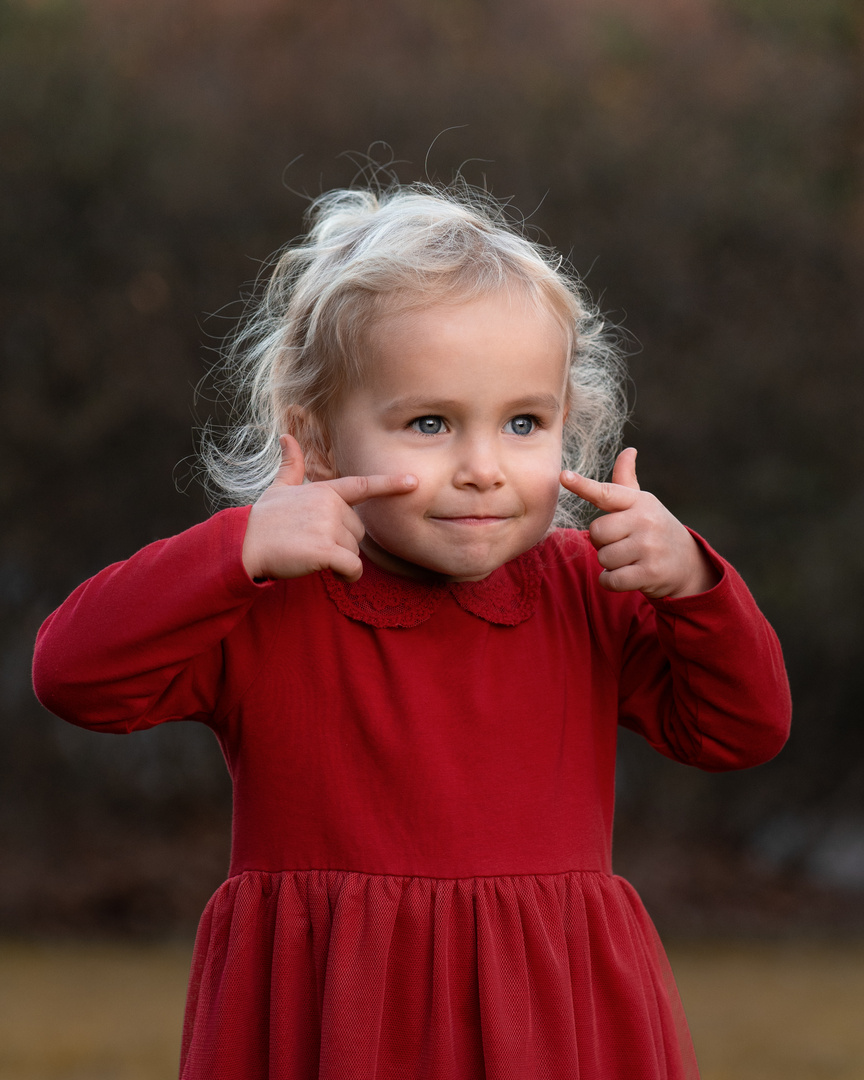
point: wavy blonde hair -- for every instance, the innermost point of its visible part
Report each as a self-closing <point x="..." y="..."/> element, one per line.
<point x="367" y="253"/>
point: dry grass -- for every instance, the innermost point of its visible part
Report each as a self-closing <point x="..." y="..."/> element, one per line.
<point x="791" y="1011"/>
<point x="113" y="1012"/>
<point x="91" y="1012"/>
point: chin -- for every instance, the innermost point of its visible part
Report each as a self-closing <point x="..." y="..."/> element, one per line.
<point x="424" y="564"/>
<point x="467" y="566"/>
<point x="457" y="561"/>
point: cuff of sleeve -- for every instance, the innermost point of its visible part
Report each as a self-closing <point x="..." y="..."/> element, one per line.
<point x="717" y="594"/>
<point x="232" y="523"/>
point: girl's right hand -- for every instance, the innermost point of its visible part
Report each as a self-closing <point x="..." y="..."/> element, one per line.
<point x="296" y="529"/>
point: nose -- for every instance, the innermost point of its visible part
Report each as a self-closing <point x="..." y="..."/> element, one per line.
<point x="478" y="466"/>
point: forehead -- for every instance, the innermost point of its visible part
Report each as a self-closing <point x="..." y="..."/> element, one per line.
<point x="504" y="338"/>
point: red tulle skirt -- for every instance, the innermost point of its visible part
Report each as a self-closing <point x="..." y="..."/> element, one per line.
<point x="347" y="976"/>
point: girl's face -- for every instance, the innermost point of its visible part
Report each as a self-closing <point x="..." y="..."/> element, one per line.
<point x="471" y="399"/>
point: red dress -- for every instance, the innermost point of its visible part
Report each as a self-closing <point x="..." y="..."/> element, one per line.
<point x="420" y="882"/>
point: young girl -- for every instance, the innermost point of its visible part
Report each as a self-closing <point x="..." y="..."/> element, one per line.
<point x="415" y="681"/>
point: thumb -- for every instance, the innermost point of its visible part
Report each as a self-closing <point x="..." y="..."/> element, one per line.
<point x="624" y="471"/>
<point x="292" y="468"/>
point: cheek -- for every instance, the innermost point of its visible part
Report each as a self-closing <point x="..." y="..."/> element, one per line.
<point x="378" y="456"/>
<point x="542" y="474"/>
<point x="547" y="497"/>
<point x="353" y="459"/>
<point x="541" y="488"/>
<point x="392" y="515"/>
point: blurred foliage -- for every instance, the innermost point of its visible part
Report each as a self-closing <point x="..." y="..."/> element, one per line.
<point x="700" y="161"/>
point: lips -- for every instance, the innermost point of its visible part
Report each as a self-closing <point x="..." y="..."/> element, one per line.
<point x="471" y="519"/>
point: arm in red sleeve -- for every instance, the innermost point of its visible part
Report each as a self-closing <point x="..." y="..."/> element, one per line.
<point x="719" y="697"/>
<point x="140" y="643"/>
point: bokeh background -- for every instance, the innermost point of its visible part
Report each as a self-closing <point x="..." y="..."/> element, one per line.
<point x="700" y="162"/>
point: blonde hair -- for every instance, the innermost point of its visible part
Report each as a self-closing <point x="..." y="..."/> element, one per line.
<point x="368" y="253"/>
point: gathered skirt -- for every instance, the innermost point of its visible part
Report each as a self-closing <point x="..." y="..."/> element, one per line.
<point x="336" y="975"/>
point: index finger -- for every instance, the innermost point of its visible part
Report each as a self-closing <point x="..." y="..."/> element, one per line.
<point x="357" y="489"/>
<point x="605" y="496"/>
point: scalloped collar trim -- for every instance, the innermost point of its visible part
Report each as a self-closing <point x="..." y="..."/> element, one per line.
<point x="508" y="596"/>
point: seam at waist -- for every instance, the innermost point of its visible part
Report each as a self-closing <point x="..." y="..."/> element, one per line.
<point x="414" y="877"/>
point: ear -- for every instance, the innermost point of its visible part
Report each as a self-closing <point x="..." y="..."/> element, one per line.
<point x="313" y="437"/>
<point x="319" y="465"/>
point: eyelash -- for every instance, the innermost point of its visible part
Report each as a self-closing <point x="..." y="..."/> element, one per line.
<point x="414" y="424"/>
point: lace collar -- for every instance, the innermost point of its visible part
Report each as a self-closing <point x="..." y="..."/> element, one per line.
<point x="507" y="597"/>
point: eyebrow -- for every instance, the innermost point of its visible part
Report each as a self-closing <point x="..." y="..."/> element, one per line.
<point x="411" y="403"/>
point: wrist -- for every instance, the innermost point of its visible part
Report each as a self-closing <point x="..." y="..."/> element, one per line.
<point x="250" y="565"/>
<point x="249" y="553"/>
<point x="704" y="576"/>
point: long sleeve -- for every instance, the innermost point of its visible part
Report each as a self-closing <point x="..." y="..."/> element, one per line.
<point x="719" y="697"/>
<point x="140" y="643"/>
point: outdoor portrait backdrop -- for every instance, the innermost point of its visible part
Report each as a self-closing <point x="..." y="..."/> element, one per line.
<point x="700" y="163"/>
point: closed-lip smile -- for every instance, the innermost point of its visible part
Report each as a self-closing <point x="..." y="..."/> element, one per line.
<point x="471" y="519"/>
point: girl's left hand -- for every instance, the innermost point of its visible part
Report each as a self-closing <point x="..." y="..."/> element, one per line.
<point x="640" y="545"/>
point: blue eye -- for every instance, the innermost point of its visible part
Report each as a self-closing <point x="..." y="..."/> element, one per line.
<point x="428" y="425"/>
<point x="520" y="425"/>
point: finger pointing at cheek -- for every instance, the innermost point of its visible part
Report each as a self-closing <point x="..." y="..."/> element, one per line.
<point x="619" y="552"/>
<point x="297" y="528"/>
<point x="357" y="489"/>
<point x="618" y="495"/>
<point x="639" y="543"/>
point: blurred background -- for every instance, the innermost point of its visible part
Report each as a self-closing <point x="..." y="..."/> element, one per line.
<point x="701" y="164"/>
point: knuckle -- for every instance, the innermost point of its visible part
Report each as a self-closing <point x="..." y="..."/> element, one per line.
<point x="608" y="581"/>
<point x="596" y="531"/>
<point x="332" y="502"/>
<point x="623" y="579"/>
